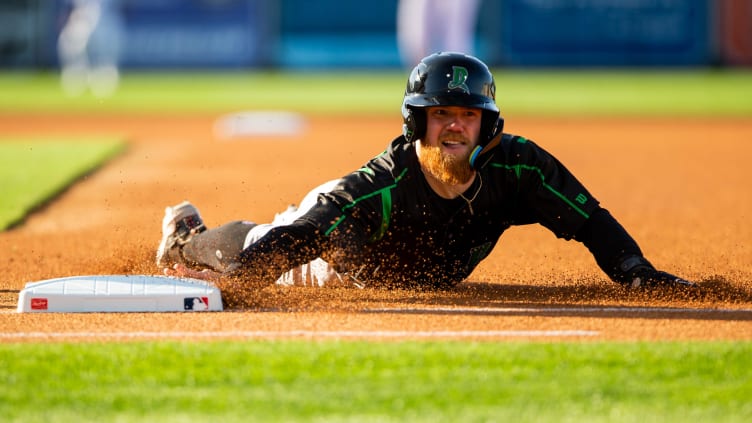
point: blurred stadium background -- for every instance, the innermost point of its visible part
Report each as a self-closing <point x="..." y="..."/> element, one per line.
<point x="307" y="34"/>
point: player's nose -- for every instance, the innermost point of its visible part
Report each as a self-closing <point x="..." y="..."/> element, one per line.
<point x="455" y="124"/>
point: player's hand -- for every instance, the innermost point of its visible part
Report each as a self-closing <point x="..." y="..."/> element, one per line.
<point x="181" y="270"/>
<point x="649" y="277"/>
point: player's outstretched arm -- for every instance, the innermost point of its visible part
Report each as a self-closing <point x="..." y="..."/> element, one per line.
<point x="620" y="257"/>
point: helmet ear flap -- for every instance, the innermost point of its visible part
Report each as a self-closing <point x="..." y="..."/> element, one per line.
<point x="495" y="125"/>
<point x="479" y="157"/>
<point x="413" y="123"/>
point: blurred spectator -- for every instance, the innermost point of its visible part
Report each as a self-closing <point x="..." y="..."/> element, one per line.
<point x="428" y="26"/>
<point x="89" y="47"/>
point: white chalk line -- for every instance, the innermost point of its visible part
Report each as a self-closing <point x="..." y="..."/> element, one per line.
<point x="557" y="310"/>
<point x="305" y="334"/>
<point x="532" y="310"/>
<point x="387" y="334"/>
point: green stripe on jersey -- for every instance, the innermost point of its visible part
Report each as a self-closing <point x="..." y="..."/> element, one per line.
<point x="386" y="208"/>
<point x="518" y="172"/>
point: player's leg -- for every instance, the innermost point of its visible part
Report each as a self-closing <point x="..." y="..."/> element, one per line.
<point x="316" y="273"/>
<point x="458" y="29"/>
<point x="412" y="30"/>
<point x="186" y="240"/>
<point x="72" y="48"/>
<point x="219" y="247"/>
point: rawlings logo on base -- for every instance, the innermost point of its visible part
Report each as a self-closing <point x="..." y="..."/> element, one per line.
<point x="39" y="303"/>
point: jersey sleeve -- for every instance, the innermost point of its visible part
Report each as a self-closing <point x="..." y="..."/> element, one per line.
<point x="547" y="192"/>
<point x="324" y="231"/>
<point x="359" y="207"/>
<point x="280" y="249"/>
<point x="609" y="243"/>
<point x="352" y="214"/>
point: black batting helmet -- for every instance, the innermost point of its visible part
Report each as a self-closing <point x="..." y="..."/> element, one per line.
<point x="450" y="79"/>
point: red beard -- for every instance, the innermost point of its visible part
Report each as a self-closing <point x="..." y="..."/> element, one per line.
<point x="446" y="168"/>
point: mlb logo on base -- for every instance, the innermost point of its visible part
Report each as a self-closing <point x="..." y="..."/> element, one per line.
<point x="196" y="304"/>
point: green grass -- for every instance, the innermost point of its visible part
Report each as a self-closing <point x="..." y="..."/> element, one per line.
<point x="33" y="171"/>
<point x="359" y="381"/>
<point x="688" y="92"/>
<point x="363" y="381"/>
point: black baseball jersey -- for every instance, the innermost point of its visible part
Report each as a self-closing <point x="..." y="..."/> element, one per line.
<point x="384" y="224"/>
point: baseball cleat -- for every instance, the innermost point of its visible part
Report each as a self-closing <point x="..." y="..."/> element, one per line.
<point x="179" y="225"/>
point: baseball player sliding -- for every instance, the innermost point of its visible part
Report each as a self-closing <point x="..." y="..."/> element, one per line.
<point x="423" y="213"/>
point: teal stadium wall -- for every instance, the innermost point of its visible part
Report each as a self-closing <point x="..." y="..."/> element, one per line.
<point x="293" y="34"/>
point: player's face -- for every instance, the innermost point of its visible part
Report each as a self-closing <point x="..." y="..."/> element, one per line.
<point x="451" y="134"/>
<point x="453" y="129"/>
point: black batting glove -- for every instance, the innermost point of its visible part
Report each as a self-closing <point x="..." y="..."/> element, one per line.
<point x="651" y="277"/>
<point x="637" y="272"/>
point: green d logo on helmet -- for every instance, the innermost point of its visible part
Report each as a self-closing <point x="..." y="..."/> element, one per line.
<point x="459" y="76"/>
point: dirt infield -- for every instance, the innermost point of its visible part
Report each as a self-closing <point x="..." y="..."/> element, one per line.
<point x="679" y="186"/>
